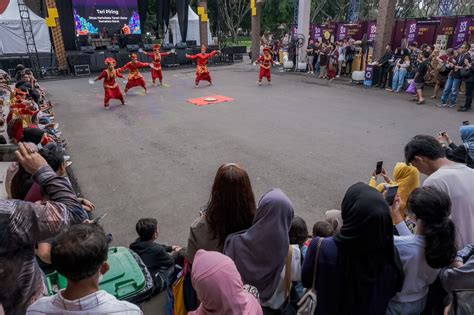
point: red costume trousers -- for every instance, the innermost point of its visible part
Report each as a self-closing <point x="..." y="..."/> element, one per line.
<point x="156" y="74"/>
<point x="135" y="82"/>
<point x="205" y="76"/>
<point x="112" y="94"/>
<point x="265" y="73"/>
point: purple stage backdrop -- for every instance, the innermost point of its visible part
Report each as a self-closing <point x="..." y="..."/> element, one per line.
<point x="462" y="31"/>
<point x="91" y="16"/>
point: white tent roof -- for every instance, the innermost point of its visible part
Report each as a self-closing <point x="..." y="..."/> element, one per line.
<point x="193" y="29"/>
<point x="12" y="38"/>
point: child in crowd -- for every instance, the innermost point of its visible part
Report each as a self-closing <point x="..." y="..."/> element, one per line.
<point x="159" y="259"/>
<point x="299" y="236"/>
<point x="320" y="229"/>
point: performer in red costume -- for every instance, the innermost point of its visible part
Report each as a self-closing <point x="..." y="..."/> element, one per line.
<point x="266" y="62"/>
<point x="202" y="73"/>
<point x="135" y="78"/>
<point x="156" y="72"/>
<point x="111" y="88"/>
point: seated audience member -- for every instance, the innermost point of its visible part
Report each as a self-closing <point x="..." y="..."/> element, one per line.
<point x="231" y="208"/>
<point x="21" y="230"/>
<point x="358" y="270"/>
<point x="298" y="235"/>
<point x="261" y="253"/>
<point x="157" y="257"/>
<point x="406" y="177"/>
<point x="323" y="229"/>
<point x="429" y="157"/>
<point x="334" y="218"/>
<point x="79" y="253"/>
<point x="219" y="287"/>
<point x="423" y="254"/>
<point x="463" y="153"/>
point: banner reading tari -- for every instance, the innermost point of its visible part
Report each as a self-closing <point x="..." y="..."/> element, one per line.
<point x="117" y="16"/>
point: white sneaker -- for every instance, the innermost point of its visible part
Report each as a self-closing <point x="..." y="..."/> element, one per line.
<point x="259" y="83"/>
<point x="338" y="76"/>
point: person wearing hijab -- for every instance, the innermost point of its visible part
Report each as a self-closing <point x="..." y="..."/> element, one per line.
<point x="406" y="177"/>
<point x="260" y="253"/>
<point x="359" y="269"/>
<point x="34" y="135"/>
<point x="219" y="287"/>
<point x="460" y="154"/>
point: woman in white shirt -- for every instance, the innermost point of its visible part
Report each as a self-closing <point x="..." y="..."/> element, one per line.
<point x="341" y="58"/>
<point x="423" y="254"/>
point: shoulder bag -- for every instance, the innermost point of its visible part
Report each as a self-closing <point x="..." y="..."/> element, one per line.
<point x="288" y="308"/>
<point x="307" y="304"/>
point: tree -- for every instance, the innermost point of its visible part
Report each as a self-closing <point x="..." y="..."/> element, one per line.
<point x="233" y="12"/>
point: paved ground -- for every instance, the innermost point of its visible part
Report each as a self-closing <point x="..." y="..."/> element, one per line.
<point x="157" y="156"/>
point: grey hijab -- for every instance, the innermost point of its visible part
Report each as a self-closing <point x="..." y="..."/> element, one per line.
<point x="260" y="252"/>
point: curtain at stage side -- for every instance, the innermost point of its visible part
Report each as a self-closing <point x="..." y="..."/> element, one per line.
<point x="143" y="11"/>
<point x="159" y="13"/>
<point x="166" y="11"/>
<point x="67" y="23"/>
<point x="182" y="8"/>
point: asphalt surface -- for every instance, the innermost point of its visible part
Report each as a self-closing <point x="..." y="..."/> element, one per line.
<point x="157" y="155"/>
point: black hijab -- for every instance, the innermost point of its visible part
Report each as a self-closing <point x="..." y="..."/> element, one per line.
<point x="365" y="245"/>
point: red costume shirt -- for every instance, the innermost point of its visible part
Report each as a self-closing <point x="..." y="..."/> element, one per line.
<point x="133" y="68"/>
<point x="109" y="78"/>
<point x="202" y="59"/>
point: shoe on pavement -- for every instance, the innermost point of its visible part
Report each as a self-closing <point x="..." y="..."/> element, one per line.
<point x="259" y="83"/>
<point x="464" y="109"/>
<point x="451" y="105"/>
<point x="442" y="105"/>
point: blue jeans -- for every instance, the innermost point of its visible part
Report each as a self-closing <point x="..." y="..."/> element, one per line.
<point x="399" y="79"/>
<point x="451" y="88"/>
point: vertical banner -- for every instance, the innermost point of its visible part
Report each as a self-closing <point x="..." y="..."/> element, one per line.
<point x="341" y="32"/>
<point x="410" y="30"/>
<point x="182" y="9"/>
<point x="371" y="30"/>
<point x="462" y="31"/>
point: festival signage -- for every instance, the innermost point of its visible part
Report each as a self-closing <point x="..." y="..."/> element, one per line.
<point x="368" y="77"/>
<point x="371" y="30"/>
<point x="316" y="32"/>
<point x="462" y="31"/>
<point x="447" y="28"/>
<point x="354" y="31"/>
<point x="91" y="16"/>
<point x="341" y="32"/>
<point x="426" y="30"/>
<point x="410" y="30"/>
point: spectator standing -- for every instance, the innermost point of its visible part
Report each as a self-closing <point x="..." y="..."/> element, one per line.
<point x="324" y="60"/>
<point x="451" y="90"/>
<point x="80" y="254"/>
<point x="414" y="58"/>
<point x="341" y="58"/>
<point x="420" y="76"/>
<point x="219" y="287"/>
<point x="399" y="74"/>
<point x="469" y="81"/>
<point x="423" y="254"/>
<point x="262" y="253"/>
<point x="350" y="52"/>
<point x="231" y="208"/>
<point x="429" y="157"/>
<point x="310" y="56"/>
<point x="22" y="280"/>
<point x="442" y="72"/>
<point x="358" y="270"/>
<point x="384" y="64"/>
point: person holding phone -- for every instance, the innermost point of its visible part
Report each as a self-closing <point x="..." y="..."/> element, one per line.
<point x="406" y="177"/>
<point x="423" y="254"/>
<point x="463" y="153"/>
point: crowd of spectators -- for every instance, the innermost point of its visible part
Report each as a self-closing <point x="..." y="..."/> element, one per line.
<point x="411" y="255"/>
<point x="449" y="71"/>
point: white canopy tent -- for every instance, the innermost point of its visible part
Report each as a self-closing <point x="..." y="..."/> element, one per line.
<point x="12" y="38"/>
<point x="193" y="29"/>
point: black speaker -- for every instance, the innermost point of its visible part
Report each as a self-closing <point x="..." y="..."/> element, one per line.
<point x="88" y="49"/>
<point x="191" y="42"/>
<point x="167" y="46"/>
<point x="147" y="47"/>
<point x="79" y="59"/>
<point x="113" y="48"/>
<point x="133" y="48"/>
<point x="181" y="45"/>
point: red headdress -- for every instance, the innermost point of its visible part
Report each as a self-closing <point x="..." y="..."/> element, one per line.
<point x="266" y="49"/>
<point x="156" y="47"/>
<point x="134" y="56"/>
<point x="110" y="60"/>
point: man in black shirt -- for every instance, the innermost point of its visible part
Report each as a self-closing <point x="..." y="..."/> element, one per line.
<point x="384" y="65"/>
<point x="310" y="56"/>
<point x="420" y="76"/>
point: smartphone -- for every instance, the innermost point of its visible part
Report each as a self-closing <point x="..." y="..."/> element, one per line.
<point x="99" y="218"/>
<point x="391" y="193"/>
<point x="378" y="169"/>
<point x="465" y="123"/>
